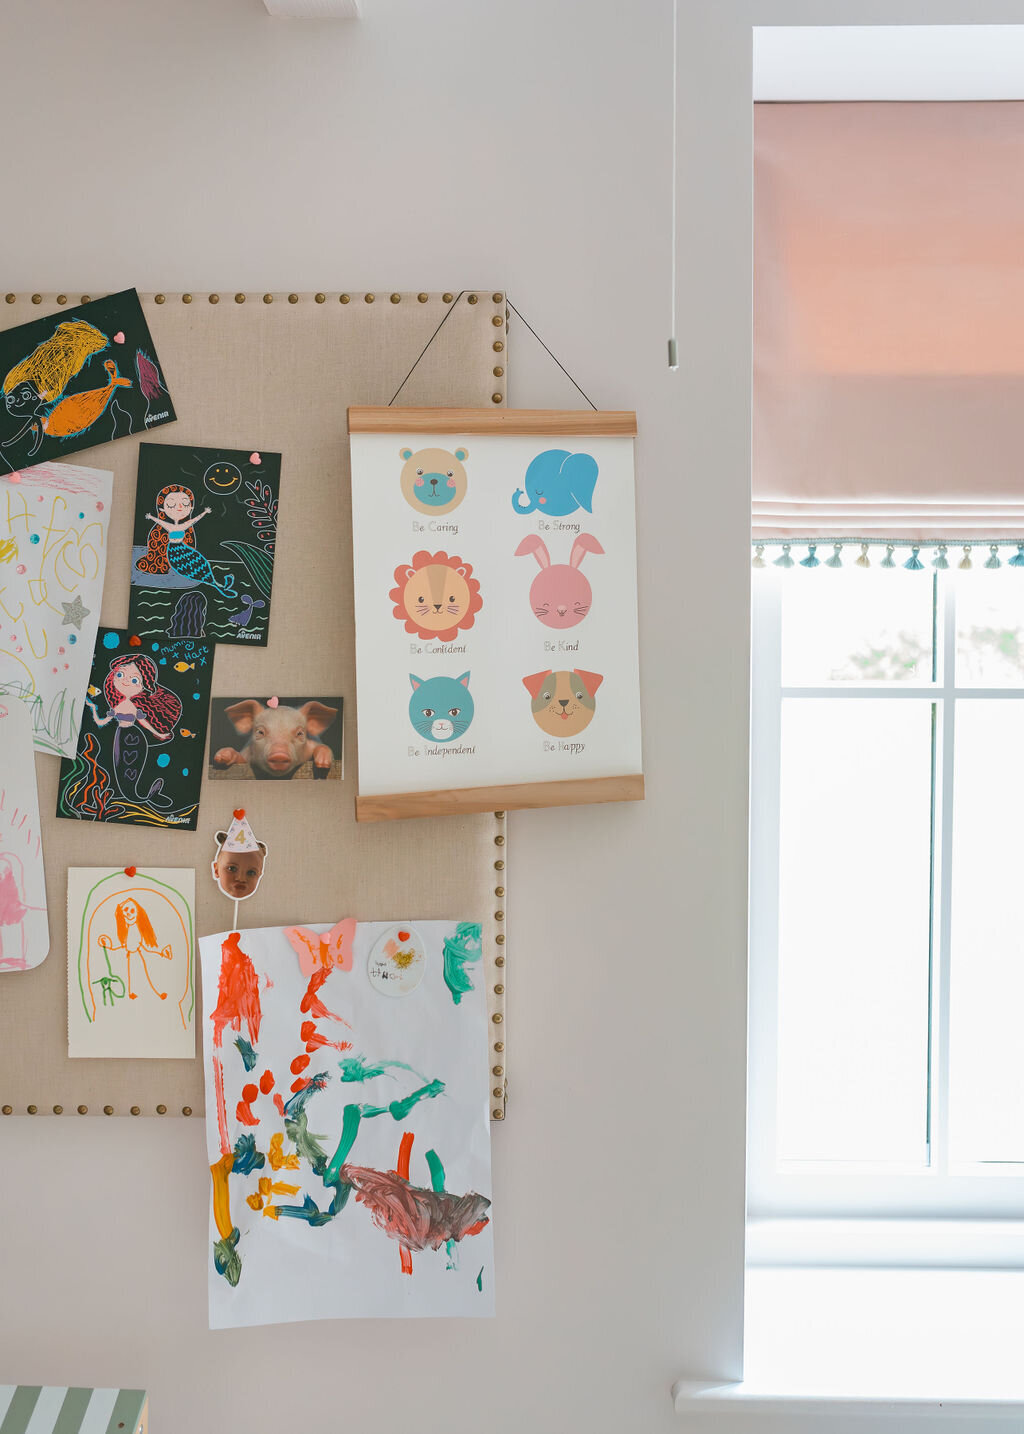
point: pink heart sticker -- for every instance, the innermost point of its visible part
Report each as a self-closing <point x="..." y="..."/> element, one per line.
<point x="272" y="701"/>
<point x="255" y="459"/>
<point x="119" y="337"/>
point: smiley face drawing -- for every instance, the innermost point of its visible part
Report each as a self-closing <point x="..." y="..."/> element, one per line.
<point x="222" y="477"/>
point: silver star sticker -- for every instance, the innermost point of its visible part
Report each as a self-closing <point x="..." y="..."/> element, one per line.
<point x="74" y="612"/>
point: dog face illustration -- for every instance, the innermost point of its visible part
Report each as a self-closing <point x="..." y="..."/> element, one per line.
<point x="563" y="703"/>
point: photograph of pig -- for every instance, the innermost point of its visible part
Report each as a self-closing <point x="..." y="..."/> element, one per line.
<point x="276" y="739"/>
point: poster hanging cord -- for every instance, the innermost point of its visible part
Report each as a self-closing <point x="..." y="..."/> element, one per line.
<point x="533" y="331"/>
<point x="673" y="352"/>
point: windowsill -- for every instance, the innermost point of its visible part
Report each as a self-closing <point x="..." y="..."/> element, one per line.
<point x="907" y="1342"/>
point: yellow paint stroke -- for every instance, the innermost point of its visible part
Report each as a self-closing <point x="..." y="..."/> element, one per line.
<point x="221" y="1194"/>
<point x="255" y="1201"/>
<point x="276" y="1156"/>
<point x="8" y="549"/>
<point x="264" y="1183"/>
<point x="270" y="1211"/>
<point x="53" y="364"/>
<point x="280" y="1187"/>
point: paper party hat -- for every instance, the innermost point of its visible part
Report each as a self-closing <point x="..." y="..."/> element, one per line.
<point x="240" y="834"/>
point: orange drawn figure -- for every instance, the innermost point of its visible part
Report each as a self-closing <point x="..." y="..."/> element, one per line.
<point x="69" y="417"/>
<point x="136" y="937"/>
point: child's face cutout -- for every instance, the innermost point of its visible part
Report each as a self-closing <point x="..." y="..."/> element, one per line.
<point x="238" y="873"/>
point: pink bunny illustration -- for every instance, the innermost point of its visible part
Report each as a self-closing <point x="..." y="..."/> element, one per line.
<point x="560" y="595"/>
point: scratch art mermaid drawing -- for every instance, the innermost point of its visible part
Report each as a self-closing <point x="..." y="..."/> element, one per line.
<point x="172" y="542"/>
<point x="137" y="704"/>
<point x="135" y="937"/>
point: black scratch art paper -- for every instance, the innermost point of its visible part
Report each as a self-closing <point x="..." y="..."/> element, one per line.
<point x="78" y="378"/>
<point x="140" y="750"/>
<point x="205" y="536"/>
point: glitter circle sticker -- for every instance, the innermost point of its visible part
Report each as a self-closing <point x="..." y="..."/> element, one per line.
<point x="397" y="961"/>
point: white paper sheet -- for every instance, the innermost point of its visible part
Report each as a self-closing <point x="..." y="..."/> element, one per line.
<point x="131" y="962"/>
<point x="412" y="1066"/>
<point x="53" y="556"/>
<point x="518" y="634"/>
<point x="24" y="929"/>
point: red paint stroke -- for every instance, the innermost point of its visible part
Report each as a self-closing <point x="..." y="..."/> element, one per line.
<point x="279" y="1103"/>
<point x="298" y="1085"/>
<point x="316" y="1041"/>
<point x="12" y="909"/>
<point x="222" y="1111"/>
<point x="267" y="1082"/>
<point x="238" y="993"/>
<point x="311" y="1005"/>
<point x="299" y="1064"/>
<point x="404" y="1155"/>
<point x="243" y="1112"/>
<point x="307" y="1030"/>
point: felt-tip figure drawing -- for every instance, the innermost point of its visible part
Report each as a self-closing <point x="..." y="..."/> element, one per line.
<point x="563" y="703"/>
<point x="238" y="866"/>
<point x="557" y="483"/>
<point x="137" y="704"/>
<point x="440" y="708"/>
<point x="172" y="540"/>
<point x="278" y="737"/>
<point x="436" y="596"/>
<point x="560" y="595"/>
<point x="434" y="480"/>
<point x="135" y="937"/>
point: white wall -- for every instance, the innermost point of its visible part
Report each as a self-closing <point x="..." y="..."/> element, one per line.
<point x="198" y="144"/>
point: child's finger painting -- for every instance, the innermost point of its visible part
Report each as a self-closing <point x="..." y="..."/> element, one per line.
<point x="347" y="1124"/>
<point x="140" y="751"/>
<point x="205" y="537"/>
<point x="78" y="378"/>
<point x="24" y="930"/>
<point x="131" y="971"/>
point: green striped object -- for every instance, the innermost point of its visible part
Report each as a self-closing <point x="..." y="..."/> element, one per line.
<point x="45" y="1409"/>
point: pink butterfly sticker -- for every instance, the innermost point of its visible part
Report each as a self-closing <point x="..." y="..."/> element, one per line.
<point x="332" y="949"/>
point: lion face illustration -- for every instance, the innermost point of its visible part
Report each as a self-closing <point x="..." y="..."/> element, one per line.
<point x="436" y="596"/>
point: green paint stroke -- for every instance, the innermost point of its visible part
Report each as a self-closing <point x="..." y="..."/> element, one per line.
<point x="358" y="1068"/>
<point x="460" y="950"/>
<point x="480" y="1280"/>
<point x="436" y="1172"/>
<point x="399" y="1109"/>
<point x="226" y="1260"/>
<point x="349" y="1130"/>
<point x="297" y="1131"/>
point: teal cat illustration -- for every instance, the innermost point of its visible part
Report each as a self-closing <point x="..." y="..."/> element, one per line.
<point x="440" y="708"/>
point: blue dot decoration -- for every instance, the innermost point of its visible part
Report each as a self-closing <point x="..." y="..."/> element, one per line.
<point x="81" y="515"/>
<point x="110" y="639"/>
<point x="184" y="771"/>
<point x="34" y="538"/>
<point x="163" y="760"/>
<point x="155" y="646"/>
<point x="72" y="639"/>
<point x="195" y="697"/>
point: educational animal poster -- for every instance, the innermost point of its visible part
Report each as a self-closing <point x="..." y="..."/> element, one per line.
<point x="53" y="556"/>
<point x="81" y="377"/>
<point x="205" y="534"/>
<point x="347" y="1122"/>
<point x="24" y="930"/>
<point x="495" y="599"/>
<point x="140" y="751"/>
<point x="276" y="739"/>
<point x="131" y="962"/>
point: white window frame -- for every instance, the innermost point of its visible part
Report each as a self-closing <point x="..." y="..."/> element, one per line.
<point x="937" y="1194"/>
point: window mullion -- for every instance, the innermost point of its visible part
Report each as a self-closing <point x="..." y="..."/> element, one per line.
<point x="943" y="836"/>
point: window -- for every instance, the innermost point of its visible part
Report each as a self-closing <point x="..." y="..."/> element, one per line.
<point x="887" y="866"/>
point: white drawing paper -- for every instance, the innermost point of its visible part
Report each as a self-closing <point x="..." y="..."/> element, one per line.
<point x="53" y="555"/>
<point x="496" y="634"/>
<point x="347" y="1131"/>
<point x="131" y="962"/>
<point x="24" y="929"/>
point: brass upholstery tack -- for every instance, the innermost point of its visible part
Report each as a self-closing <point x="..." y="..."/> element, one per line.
<point x="10" y="298"/>
<point x="499" y="990"/>
<point x="32" y="1109"/>
<point x="497" y="321"/>
<point x="214" y="298"/>
<point x="497" y="1070"/>
<point x="498" y="346"/>
<point x="136" y="1110"/>
<point x="268" y="298"/>
<point x="58" y="1110"/>
<point x="497" y="1018"/>
<point x="293" y="298"/>
<point x="369" y="298"/>
<point x="500" y="938"/>
<point x="497" y="1115"/>
<point x="422" y="298"/>
<point x="108" y="1110"/>
<point x="499" y="866"/>
<point x="37" y="298"/>
<point x="499" y="1045"/>
<point x="499" y="841"/>
<point x="158" y="298"/>
<point x="343" y="298"/>
<point x="447" y="298"/>
<point x="499" y="916"/>
<point x="7" y="1110"/>
<point x="83" y="1110"/>
<point x="86" y="298"/>
<point x="239" y="298"/>
<point x="320" y="298"/>
<point x="499" y="960"/>
<point x="186" y="1110"/>
<point x="499" y="891"/>
<point x="161" y="1110"/>
<point x="472" y="299"/>
<point x="497" y="370"/>
<point x="497" y="1092"/>
<point x="497" y="298"/>
<point x="62" y="298"/>
<point x="396" y="298"/>
<point x="186" y="298"/>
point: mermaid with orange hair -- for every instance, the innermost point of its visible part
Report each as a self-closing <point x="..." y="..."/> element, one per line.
<point x="172" y="542"/>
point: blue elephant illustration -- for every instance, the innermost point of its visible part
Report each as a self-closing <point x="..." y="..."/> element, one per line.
<point x="558" y="483"/>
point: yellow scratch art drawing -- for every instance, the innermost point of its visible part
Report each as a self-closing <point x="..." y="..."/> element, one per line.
<point x="53" y="364"/>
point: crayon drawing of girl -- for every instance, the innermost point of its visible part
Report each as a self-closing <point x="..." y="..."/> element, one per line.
<point x="172" y="542"/>
<point x="137" y="704"/>
<point x="136" y="937"/>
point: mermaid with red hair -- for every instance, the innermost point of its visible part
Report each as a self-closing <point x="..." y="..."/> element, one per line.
<point x="172" y="541"/>
<point x="137" y="703"/>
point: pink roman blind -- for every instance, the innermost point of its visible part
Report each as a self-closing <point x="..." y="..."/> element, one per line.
<point x="889" y="321"/>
